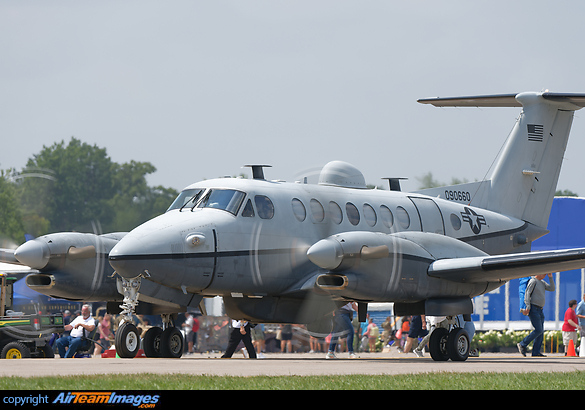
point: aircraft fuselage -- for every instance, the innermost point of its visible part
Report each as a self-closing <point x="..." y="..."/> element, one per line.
<point x="254" y="244"/>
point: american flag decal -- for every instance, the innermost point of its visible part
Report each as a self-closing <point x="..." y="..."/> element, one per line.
<point x="535" y="132"/>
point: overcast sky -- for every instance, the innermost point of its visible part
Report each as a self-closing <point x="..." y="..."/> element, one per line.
<point x="200" y="88"/>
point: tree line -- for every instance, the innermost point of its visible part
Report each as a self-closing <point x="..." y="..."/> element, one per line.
<point x="75" y="186"/>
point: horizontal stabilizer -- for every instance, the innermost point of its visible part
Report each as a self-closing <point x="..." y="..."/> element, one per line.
<point x="499" y="100"/>
<point x="502" y="100"/>
<point x="503" y="268"/>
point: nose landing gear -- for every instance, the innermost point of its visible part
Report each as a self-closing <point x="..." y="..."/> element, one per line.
<point x="157" y="342"/>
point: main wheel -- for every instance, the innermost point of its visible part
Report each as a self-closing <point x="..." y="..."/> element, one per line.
<point x="15" y="350"/>
<point x="127" y="341"/>
<point x="151" y="342"/>
<point x="458" y="345"/>
<point x="438" y="344"/>
<point x="171" y="343"/>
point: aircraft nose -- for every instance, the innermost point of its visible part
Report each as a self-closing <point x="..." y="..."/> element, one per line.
<point x="327" y="254"/>
<point x="33" y="253"/>
<point x="126" y="258"/>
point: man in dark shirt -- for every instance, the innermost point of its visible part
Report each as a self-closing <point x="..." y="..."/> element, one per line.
<point x="535" y="298"/>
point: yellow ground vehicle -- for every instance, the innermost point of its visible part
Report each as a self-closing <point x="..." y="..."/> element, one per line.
<point x="24" y="336"/>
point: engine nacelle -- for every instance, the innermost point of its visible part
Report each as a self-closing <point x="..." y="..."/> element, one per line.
<point x="378" y="267"/>
<point x="71" y="265"/>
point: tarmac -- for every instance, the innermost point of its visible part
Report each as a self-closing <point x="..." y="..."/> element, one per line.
<point x="279" y="364"/>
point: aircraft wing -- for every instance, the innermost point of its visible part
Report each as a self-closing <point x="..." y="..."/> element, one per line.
<point x="10" y="265"/>
<point x="502" y="268"/>
<point x="7" y="256"/>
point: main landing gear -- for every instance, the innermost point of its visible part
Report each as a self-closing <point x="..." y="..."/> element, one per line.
<point x="451" y="344"/>
<point x="157" y="342"/>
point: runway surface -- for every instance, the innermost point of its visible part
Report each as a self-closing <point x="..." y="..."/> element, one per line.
<point x="303" y="364"/>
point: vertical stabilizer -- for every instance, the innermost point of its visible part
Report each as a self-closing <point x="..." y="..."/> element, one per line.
<point x="524" y="179"/>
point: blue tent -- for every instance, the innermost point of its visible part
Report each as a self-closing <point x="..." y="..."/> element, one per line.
<point x="29" y="301"/>
<point x="567" y="230"/>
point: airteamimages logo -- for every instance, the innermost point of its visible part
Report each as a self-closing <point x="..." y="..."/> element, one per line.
<point x="141" y="401"/>
<point x="76" y="399"/>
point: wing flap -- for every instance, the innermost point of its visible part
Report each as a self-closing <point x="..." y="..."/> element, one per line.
<point x="503" y="268"/>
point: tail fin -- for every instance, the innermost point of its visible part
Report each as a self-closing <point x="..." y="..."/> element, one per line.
<point x="524" y="178"/>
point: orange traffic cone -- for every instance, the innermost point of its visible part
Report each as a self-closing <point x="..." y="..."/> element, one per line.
<point x="571" y="349"/>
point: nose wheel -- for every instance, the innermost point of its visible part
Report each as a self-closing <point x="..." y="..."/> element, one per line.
<point x="157" y="342"/>
<point x="127" y="341"/>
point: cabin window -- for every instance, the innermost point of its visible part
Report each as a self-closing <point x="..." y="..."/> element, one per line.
<point x="370" y="215"/>
<point x="248" y="211"/>
<point x="186" y="199"/>
<point x="403" y="217"/>
<point x="386" y="216"/>
<point x="335" y="212"/>
<point x="225" y="199"/>
<point x="264" y="206"/>
<point x="455" y="222"/>
<point x="317" y="210"/>
<point x="299" y="209"/>
<point x="352" y="213"/>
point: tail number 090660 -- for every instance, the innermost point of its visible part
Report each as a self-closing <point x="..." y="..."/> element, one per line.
<point x="458" y="196"/>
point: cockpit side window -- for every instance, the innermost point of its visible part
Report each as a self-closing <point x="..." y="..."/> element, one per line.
<point x="226" y="199"/>
<point x="248" y="211"/>
<point x="186" y="199"/>
<point x="264" y="206"/>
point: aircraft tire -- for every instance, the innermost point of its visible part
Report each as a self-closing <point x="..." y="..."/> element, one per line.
<point x="171" y="343"/>
<point x="151" y="342"/>
<point x="127" y="341"/>
<point x="15" y="350"/>
<point x="438" y="344"/>
<point x="458" y="345"/>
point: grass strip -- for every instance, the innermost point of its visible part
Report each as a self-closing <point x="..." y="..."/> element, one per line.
<point x="429" y="381"/>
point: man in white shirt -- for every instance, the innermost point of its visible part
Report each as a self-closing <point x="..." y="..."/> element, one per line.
<point x="82" y="323"/>
<point x="240" y="332"/>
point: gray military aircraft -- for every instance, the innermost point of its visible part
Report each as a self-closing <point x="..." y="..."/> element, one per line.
<point x="281" y="252"/>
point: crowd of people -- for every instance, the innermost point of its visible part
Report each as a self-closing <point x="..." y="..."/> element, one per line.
<point x="407" y="334"/>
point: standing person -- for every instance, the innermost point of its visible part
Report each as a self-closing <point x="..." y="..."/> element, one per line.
<point x="240" y="332"/>
<point x="372" y="332"/>
<point x="286" y="335"/>
<point x="388" y="326"/>
<point x="258" y="340"/>
<point x="535" y="299"/>
<point x="188" y="329"/>
<point x="418" y="328"/>
<point x="580" y="312"/>
<point x="342" y="327"/>
<point x="435" y="322"/>
<point x="570" y="326"/>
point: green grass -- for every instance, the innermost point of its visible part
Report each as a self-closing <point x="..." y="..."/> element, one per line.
<point x="431" y="381"/>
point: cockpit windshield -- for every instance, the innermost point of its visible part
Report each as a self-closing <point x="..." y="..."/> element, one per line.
<point x="226" y="199"/>
<point x="186" y="199"/>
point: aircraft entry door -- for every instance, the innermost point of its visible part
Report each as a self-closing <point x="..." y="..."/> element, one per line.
<point x="431" y="219"/>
